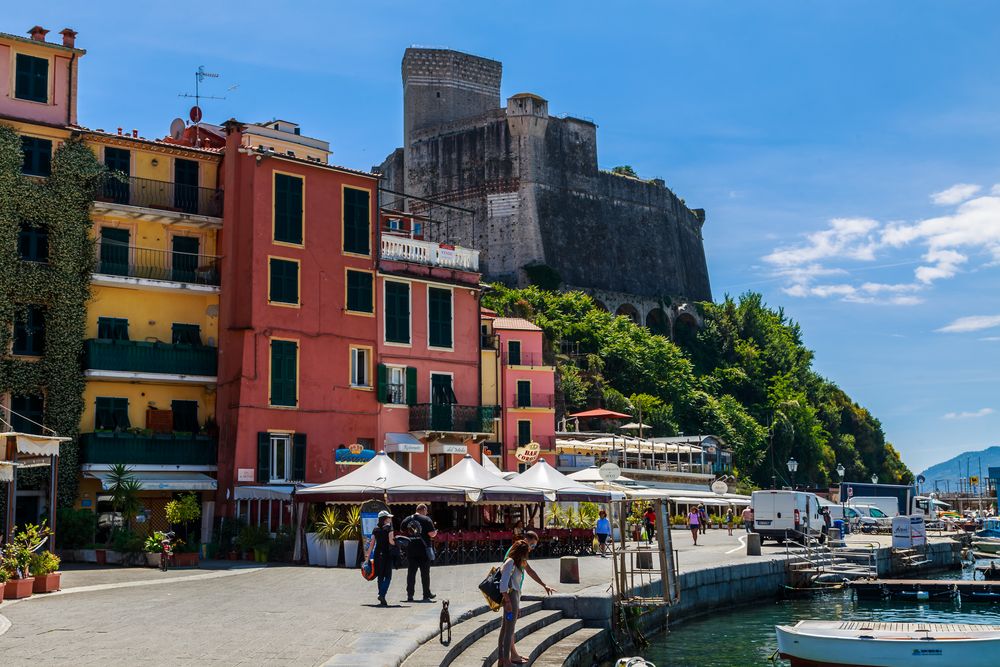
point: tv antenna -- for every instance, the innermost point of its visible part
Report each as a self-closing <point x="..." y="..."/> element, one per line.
<point x="195" y="113"/>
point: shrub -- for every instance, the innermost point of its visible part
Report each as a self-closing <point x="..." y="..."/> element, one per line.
<point x="76" y="528"/>
<point x="188" y="508"/>
<point x="44" y="563"/>
<point x="253" y="537"/>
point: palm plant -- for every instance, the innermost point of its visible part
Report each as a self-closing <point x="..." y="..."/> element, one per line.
<point x="351" y="527"/>
<point x="557" y="516"/>
<point x="125" y="490"/>
<point x="328" y="526"/>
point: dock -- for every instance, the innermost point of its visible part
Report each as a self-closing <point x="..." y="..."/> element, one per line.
<point x="923" y="590"/>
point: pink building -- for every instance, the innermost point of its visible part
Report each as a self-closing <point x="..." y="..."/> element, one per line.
<point x="38" y="79"/>
<point x="518" y="379"/>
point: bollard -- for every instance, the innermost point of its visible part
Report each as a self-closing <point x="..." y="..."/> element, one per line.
<point x="753" y="544"/>
<point x="644" y="559"/>
<point x="569" y="570"/>
<point x="835" y="539"/>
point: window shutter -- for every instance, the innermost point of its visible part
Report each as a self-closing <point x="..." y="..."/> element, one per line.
<point x="356" y="222"/>
<point x="439" y="309"/>
<point x="102" y="418"/>
<point x="299" y="457"/>
<point x="383" y="382"/>
<point x="263" y="457"/>
<point x="411" y="385"/>
<point x="287" y="208"/>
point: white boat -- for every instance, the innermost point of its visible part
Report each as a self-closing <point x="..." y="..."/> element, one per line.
<point x="987" y="545"/>
<point x="870" y="644"/>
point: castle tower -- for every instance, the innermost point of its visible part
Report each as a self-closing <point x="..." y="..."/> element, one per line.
<point x="441" y="85"/>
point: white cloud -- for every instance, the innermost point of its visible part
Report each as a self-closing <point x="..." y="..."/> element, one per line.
<point x="945" y="264"/>
<point x="991" y="339"/>
<point x="975" y="414"/>
<point x="847" y="238"/>
<point x="955" y="194"/>
<point x="971" y="323"/>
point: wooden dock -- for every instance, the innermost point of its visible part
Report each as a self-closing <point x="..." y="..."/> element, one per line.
<point x="925" y="590"/>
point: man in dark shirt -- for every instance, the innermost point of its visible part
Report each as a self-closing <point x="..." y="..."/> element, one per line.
<point x="421" y="530"/>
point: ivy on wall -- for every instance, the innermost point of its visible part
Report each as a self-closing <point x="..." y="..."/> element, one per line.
<point x="61" y="203"/>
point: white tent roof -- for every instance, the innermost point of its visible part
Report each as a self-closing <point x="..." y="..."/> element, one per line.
<point x="480" y="485"/>
<point x="591" y="475"/>
<point x="380" y="479"/>
<point x="543" y="477"/>
<point x="492" y="467"/>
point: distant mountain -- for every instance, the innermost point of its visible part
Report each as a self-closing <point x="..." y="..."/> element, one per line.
<point x="961" y="467"/>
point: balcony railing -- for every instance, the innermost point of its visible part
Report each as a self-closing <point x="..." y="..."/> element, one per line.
<point x="120" y="259"/>
<point x="148" y="357"/>
<point x="457" y="418"/>
<point x="156" y="449"/>
<point x="525" y="359"/>
<point x="396" y="393"/>
<point x="404" y="249"/>
<point x="533" y="401"/>
<point x="161" y="195"/>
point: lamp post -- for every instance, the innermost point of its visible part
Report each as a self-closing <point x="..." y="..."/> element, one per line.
<point x="793" y="465"/>
<point x="874" y="479"/>
<point x="843" y="510"/>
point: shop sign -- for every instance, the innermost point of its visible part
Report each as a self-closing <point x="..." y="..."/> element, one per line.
<point x="355" y="448"/>
<point x="244" y="474"/>
<point x="528" y="453"/>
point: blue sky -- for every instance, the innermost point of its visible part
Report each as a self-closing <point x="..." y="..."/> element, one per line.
<point x="846" y="152"/>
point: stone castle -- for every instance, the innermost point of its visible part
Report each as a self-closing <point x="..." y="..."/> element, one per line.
<point x="541" y="210"/>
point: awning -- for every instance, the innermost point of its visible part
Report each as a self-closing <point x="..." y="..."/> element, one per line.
<point x="163" y="481"/>
<point x="33" y="450"/>
<point x="7" y="471"/>
<point x="403" y="443"/>
<point x="483" y="486"/>
<point x="266" y="492"/>
<point x="448" y="447"/>
<point x="380" y="479"/>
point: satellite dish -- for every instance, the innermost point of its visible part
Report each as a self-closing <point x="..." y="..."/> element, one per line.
<point x="609" y="472"/>
<point x="177" y="128"/>
<point x="720" y="487"/>
<point x="195" y="114"/>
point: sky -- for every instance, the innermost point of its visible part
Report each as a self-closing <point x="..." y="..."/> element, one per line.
<point x="847" y="153"/>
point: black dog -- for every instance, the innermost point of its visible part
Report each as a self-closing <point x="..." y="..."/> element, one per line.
<point x="445" y="624"/>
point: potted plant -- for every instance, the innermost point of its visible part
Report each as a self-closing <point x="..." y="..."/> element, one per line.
<point x="153" y="548"/>
<point x="3" y="582"/>
<point x="254" y="539"/>
<point x="315" y="551"/>
<point x="16" y="559"/>
<point x="351" y="535"/>
<point x="328" y="534"/>
<point x="44" y="566"/>
<point x="182" y="512"/>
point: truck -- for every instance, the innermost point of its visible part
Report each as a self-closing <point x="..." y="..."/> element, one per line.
<point x="888" y="504"/>
<point x="786" y="515"/>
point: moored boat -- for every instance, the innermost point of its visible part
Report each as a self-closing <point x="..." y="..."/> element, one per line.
<point x="871" y="644"/>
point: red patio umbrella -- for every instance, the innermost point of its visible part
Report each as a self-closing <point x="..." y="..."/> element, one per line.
<point x="600" y="413"/>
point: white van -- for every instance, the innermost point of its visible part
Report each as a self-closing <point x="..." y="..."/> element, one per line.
<point x="786" y="515"/>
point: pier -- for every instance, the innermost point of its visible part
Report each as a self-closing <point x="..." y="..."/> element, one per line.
<point x="922" y="590"/>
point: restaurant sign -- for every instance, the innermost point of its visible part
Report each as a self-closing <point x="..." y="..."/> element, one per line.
<point x="528" y="453"/>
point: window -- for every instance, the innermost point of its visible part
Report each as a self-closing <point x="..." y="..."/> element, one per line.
<point x="288" y="209"/>
<point x="523" y="394"/>
<point x="514" y="353"/>
<point x="284" y="279"/>
<point x="116" y="185"/>
<point x="112" y="328"/>
<point x="393" y="224"/>
<point x="356" y="222"/>
<point x="397" y="312"/>
<point x="418" y="230"/>
<point x="185" y="416"/>
<point x="281" y="457"/>
<point x="439" y="316"/>
<point x="31" y="78"/>
<point x="185" y="334"/>
<point x="112" y="414"/>
<point x="397" y="385"/>
<point x="114" y="253"/>
<point x="284" y="373"/>
<point x="359" y="292"/>
<point x="523" y="432"/>
<point x="37" y="156"/>
<point x="33" y="243"/>
<point x="184" y="256"/>
<point x="27" y="413"/>
<point x="29" y="331"/>
<point x="360" y="360"/>
<point x="186" y="185"/>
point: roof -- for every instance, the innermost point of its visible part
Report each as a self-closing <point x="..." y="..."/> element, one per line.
<point x="481" y="485"/>
<point x="380" y="479"/>
<point x="514" y="324"/>
<point x="51" y="45"/>
<point x="163" y="143"/>
<point x="543" y="477"/>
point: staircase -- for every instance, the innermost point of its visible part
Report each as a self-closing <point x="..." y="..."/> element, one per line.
<point x="546" y="637"/>
<point x="813" y="563"/>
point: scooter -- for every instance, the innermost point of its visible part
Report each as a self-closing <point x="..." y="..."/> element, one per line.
<point x="167" y="550"/>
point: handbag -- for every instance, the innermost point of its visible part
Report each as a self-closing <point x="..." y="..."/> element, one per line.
<point x="368" y="569"/>
<point x="490" y="588"/>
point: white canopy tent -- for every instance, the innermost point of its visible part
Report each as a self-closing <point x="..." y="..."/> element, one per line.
<point x="592" y="475"/>
<point x="543" y="477"/>
<point x="27" y="450"/>
<point x="380" y="479"/>
<point x="480" y="485"/>
<point x="493" y="469"/>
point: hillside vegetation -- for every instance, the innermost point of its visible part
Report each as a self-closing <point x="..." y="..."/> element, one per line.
<point x="744" y="376"/>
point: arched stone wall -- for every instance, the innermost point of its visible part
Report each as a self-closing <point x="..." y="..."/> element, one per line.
<point x="658" y="322"/>
<point x="629" y="311"/>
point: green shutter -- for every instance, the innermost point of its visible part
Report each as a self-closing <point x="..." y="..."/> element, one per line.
<point x="523" y="394"/>
<point x="359" y="291"/>
<point x="284" y="287"/>
<point x="523" y="432"/>
<point x="264" y="457"/>
<point x="284" y="358"/>
<point x="357" y="226"/>
<point x="102" y="417"/>
<point x="439" y="310"/>
<point x="382" y="386"/>
<point x="287" y="208"/>
<point x="299" y="457"/>
<point x="31" y="80"/>
<point x="397" y="312"/>
<point x="411" y="385"/>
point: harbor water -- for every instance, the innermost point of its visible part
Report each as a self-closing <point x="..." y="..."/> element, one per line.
<point x="744" y="636"/>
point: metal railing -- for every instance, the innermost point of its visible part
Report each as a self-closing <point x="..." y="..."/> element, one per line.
<point x="533" y="400"/>
<point x="161" y="195"/>
<point x="525" y="359"/>
<point x="403" y="249"/>
<point x="120" y="259"/>
<point x="156" y="449"/>
<point x="395" y="393"/>
<point x="150" y="357"/>
<point x="458" y="418"/>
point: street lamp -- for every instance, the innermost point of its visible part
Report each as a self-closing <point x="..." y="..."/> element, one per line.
<point x="874" y="479"/>
<point x="843" y="511"/>
<point x="793" y="465"/>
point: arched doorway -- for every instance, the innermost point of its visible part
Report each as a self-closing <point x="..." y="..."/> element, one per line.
<point x="656" y="321"/>
<point x="629" y="311"/>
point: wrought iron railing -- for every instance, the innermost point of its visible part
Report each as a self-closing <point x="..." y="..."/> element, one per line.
<point x="526" y="359"/>
<point x="520" y="400"/>
<point x="155" y="449"/>
<point x="150" y="357"/>
<point x="458" y="418"/>
<point x="121" y="259"/>
<point x="162" y="195"/>
<point x="396" y="393"/>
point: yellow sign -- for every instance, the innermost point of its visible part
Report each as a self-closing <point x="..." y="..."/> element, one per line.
<point x="355" y="448"/>
<point x="528" y="453"/>
<point x="974" y="480"/>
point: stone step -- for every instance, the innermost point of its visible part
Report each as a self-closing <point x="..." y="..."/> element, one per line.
<point x="485" y="651"/>
<point x="463" y="635"/>
<point x="537" y="642"/>
<point x="562" y="652"/>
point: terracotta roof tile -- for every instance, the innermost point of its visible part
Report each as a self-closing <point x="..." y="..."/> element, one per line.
<point x="514" y="324"/>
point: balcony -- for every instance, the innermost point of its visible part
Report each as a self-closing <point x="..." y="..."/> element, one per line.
<point x="160" y="199"/>
<point x="530" y="359"/>
<point x="533" y="401"/>
<point x="404" y="249"/>
<point x="451" y="418"/>
<point x="120" y="259"/>
<point x="107" y="447"/>
<point x="136" y="356"/>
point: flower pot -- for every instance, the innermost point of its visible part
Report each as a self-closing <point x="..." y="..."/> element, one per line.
<point x="314" y="550"/>
<point x="187" y="559"/>
<point x="101" y="556"/>
<point x="113" y="557"/>
<point x="332" y="548"/>
<point x="18" y="588"/>
<point x="46" y="583"/>
<point x="350" y="553"/>
<point x="260" y="555"/>
<point x="152" y="559"/>
<point x="232" y="555"/>
<point x="2" y="587"/>
<point x="88" y="555"/>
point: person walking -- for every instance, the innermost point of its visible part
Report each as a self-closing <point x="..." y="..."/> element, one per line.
<point x="827" y="521"/>
<point x="730" y="518"/>
<point x="419" y="552"/>
<point x="380" y="548"/>
<point x="511" y="582"/>
<point x="747" y="517"/>
<point x="602" y="530"/>
<point x="649" y="522"/>
<point x="703" y="519"/>
<point x="694" y="523"/>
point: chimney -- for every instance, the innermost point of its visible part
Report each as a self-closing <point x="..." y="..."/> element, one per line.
<point x="38" y="33"/>
<point x="135" y="133"/>
<point x="69" y="37"/>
